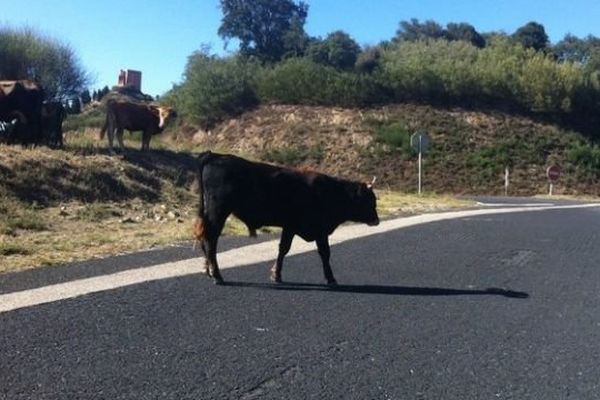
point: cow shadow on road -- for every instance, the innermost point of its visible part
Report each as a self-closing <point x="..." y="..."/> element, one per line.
<point x="380" y="289"/>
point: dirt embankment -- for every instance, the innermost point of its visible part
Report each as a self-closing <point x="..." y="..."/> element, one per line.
<point x="468" y="155"/>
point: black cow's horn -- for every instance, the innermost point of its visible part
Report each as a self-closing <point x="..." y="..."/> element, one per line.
<point x="370" y="185"/>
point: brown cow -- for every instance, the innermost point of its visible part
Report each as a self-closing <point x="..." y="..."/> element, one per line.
<point x="148" y="118"/>
<point x="22" y="100"/>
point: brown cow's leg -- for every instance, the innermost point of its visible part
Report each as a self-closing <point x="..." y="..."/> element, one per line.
<point x="120" y="138"/>
<point x="325" y="252"/>
<point x="110" y="132"/>
<point x="284" y="247"/>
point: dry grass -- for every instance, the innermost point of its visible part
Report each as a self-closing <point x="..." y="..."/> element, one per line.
<point x="76" y="204"/>
<point x="77" y="231"/>
<point x="394" y="203"/>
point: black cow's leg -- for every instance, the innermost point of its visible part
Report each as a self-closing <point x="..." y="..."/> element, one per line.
<point x="325" y="252"/>
<point x="284" y="247"/>
<point x="213" y="227"/>
<point x="203" y="246"/>
<point x="212" y="260"/>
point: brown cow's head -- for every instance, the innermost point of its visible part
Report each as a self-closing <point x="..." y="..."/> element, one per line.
<point x="165" y="114"/>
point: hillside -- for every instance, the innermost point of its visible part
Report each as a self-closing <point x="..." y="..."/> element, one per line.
<point x="81" y="202"/>
<point x="469" y="151"/>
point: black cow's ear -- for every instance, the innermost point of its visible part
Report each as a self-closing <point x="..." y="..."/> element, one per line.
<point x="361" y="189"/>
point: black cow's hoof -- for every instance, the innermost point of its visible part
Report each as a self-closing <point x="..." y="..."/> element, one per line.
<point x="219" y="281"/>
<point x="332" y="283"/>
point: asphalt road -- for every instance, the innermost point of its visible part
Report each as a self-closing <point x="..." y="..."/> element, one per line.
<point x="487" y="307"/>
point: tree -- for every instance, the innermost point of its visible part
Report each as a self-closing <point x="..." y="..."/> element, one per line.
<point x="103" y="92"/>
<point x="27" y="54"/>
<point x="73" y="105"/>
<point x="264" y="27"/>
<point x="338" y="50"/>
<point x="295" y="40"/>
<point x="368" y="60"/>
<point x="572" y="48"/>
<point x="85" y="97"/>
<point x="465" y="32"/>
<point x="532" y="35"/>
<point x="413" y="30"/>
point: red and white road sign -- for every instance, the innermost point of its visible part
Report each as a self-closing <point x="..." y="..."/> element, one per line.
<point x="553" y="173"/>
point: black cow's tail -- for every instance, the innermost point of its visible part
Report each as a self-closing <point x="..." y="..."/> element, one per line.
<point x="199" y="229"/>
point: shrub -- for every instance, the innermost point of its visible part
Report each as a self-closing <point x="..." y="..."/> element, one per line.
<point x="395" y="136"/>
<point x="586" y="156"/>
<point x="294" y="155"/>
<point x="214" y="88"/>
<point x="302" y="81"/>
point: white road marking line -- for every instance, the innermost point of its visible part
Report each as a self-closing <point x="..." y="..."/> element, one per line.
<point x="479" y="203"/>
<point x="253" y="254"/>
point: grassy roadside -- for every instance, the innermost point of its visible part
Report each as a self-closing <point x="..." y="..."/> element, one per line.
<point x="76" y="231"/>
<point x="80" y="203"/>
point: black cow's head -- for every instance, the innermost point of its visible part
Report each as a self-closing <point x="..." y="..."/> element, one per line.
<point x="6" y="129"/>
<point x="364" y="204"/>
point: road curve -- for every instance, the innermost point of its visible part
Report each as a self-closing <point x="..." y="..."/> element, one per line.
<point x="501" y="305"/>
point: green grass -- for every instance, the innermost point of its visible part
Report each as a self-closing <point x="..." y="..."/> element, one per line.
<point x="9" y="249"/>
<point x="294" y="155"/>
<point x="79" y="122"/>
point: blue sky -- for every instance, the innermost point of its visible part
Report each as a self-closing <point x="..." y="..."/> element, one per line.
<point x="156" y="37"/>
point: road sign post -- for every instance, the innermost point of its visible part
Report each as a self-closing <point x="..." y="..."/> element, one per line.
<point x="420" y="142"/>
<point x="506" y="180"/>
<point x="553" y="173"/>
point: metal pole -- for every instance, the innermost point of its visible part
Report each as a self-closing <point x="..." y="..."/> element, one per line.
<point x="420" y="161"/>
<point x="506" y="175"/>
<point x="551" y="187"/>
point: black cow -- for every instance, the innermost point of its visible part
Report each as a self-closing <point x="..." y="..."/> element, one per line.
<point x="22" y="100"/>
<point x="6" y="130"/>
<point x="304" y="203"/>
<point x="53" y="115"/>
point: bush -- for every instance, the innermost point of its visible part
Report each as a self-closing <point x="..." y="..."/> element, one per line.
<point x="458" y="72"/>
<point x="586" y="156"/>
<point x="302" y="81"/>
<point x="394" y="135"/>
<point x="502" y="74"/>
<point x="214" y="88"/>
<point x="294" y="155"/>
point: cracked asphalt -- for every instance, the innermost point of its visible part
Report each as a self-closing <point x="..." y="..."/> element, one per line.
<point x="500" y="306"/>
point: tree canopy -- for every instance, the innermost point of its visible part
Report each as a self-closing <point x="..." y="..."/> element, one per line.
<point x="532" y="35"/>
<point x="338" y="50"/>
<point x="413" y="30"/>
<point x="266" y="29"/>
<point x="27" y="54"/>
